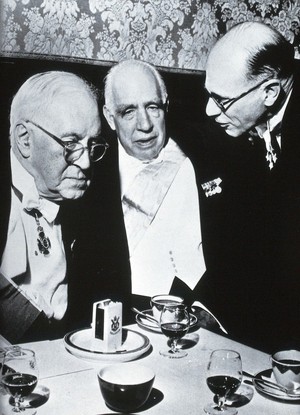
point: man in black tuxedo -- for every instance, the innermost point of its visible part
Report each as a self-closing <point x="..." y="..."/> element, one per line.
<point x="144" y="211"/>
<point x="54" y="129"/>
<point x="253" y="84"/>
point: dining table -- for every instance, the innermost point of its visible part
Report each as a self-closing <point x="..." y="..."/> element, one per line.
<point x="68" y="383"/>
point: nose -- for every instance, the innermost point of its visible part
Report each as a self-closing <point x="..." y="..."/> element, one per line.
<point x="212" y="110"/>
<point x="84" y="161"/>
<point x="143" y="122"/>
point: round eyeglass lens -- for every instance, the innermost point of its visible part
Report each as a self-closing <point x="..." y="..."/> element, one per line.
<point x="97" y="152"/>
<point x="73" y="152"/>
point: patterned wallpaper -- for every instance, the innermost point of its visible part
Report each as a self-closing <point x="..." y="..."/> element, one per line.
<point x="168" y="33"/>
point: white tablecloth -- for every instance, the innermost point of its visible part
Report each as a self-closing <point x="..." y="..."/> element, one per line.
<point x="179" y="387"/>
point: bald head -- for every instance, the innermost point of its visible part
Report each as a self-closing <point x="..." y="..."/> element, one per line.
<point x="41" y="91"/>
<point x="130" y="67"/>
<point x="253" y="50"/>
<point x="249" y="74"/>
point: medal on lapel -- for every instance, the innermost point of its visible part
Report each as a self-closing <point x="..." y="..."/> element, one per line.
<point x="43" y="241"/>
<point x="212" y="187"/>
<point x="271" y="158"/>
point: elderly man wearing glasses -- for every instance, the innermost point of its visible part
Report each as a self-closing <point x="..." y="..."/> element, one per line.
<point x="54" y="138"/>
<point x="253" y="84"/>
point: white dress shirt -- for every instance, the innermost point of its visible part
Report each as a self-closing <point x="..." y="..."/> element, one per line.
<point x="172" y="244"/>
<point x="41" y="278"/>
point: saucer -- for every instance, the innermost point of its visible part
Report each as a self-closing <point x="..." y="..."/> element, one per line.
<point x="152" y="326"/>
<point x="271" y="391"/>
<point x="82" y="344"/>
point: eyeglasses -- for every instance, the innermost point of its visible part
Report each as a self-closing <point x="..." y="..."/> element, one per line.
<point x="73" y="150"/>
<point x="225" y="104"/>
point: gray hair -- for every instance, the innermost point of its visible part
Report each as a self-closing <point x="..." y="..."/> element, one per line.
<point x="128" y="64"/>
<point x="39" y="91"/>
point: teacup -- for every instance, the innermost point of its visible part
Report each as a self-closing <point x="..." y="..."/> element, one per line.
<point x="125" y="387"/>
<point x="159" y="301"/>
<point x="286" y="369"/>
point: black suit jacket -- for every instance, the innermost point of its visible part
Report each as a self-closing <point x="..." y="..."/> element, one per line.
<point x="101" y="267"/>
<point x="248" y="284"/>
<point x="101" y="255"/>
<point x="252" y="233"/>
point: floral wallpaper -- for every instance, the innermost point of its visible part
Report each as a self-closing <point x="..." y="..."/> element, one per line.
<point x="167" y="33"/>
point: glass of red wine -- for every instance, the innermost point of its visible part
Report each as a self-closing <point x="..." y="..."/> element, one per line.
<point x="19" y="375"/>
<point x="174" y="323"/>
<point x="224" y="376"/>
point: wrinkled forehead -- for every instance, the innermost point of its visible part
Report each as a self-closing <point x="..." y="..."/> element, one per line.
<point x="136" y="84"/>
<point x="72" y="112"/>
<point x="40" y="94"/>
<point x="75" y="89"/>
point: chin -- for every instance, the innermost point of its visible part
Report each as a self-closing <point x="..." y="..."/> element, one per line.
<point x="73" y="194"/>
<point x="148" y="155"/>
<point x="233" y="132"/>
<point x="74" y="189"/>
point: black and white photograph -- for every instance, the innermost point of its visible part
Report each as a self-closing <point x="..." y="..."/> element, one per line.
<point x="150" y="207"/>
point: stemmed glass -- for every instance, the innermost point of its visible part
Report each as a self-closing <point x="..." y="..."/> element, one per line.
<point x="174" y="323"/>
<point x="224" y="376"/>
<point x="19" y="375"/>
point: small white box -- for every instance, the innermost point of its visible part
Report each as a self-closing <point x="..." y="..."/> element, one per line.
<point x="107" y="324"/>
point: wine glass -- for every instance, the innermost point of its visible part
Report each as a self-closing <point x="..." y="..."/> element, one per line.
<point x="19" y="375"/>
<point x="174" y="323"/>
<point x="224" y="376"/>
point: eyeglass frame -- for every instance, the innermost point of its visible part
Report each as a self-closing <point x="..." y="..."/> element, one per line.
<point x="231" y="101"/>
<point x="65" y="144"/>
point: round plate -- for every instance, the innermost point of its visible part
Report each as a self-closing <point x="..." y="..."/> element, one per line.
<point x="82" y="344"/>
<point x="152" y="326"/>
<point x="271" y="391"/>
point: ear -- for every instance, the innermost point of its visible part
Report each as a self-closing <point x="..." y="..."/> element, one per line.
<point x="167" y="105"/>
<point x="272" y="90"/>
<point x="109" y="117"/>
<point x="22" y="140"/>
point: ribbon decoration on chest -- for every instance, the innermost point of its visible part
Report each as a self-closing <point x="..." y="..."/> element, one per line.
<point x="142" y="200"/>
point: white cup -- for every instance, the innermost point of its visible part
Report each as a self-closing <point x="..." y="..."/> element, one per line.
<point x="158" y="302"/>
<point x="286" y="369"/>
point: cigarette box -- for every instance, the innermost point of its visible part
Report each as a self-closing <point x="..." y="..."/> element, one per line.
<point x="107" y="324"/>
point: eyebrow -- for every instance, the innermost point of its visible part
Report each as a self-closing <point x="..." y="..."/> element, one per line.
<point x="121" y="108"/>
<point x="217" y="97"/>
<point x="158" y="102"/>
<point x="79" y="137"/>
<point x="71" y="135"/>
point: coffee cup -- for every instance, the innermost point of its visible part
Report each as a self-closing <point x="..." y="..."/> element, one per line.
<point x="125" y="387"/>
<point x="158" y="302"/>
<point x="286" y="369"/>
